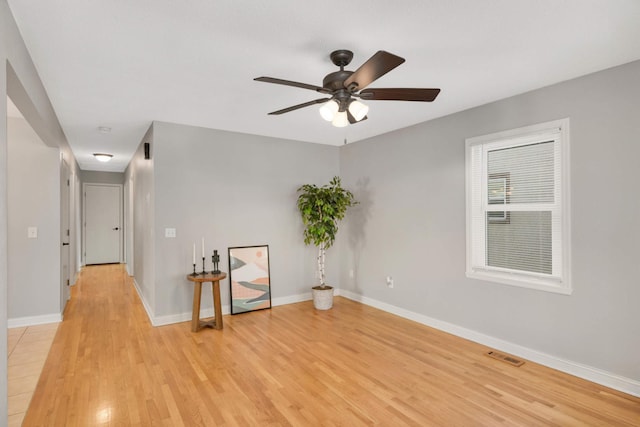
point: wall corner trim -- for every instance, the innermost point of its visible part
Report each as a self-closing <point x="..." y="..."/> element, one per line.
<point x="145" y="304"/>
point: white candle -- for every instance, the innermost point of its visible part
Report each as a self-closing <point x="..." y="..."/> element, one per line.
<point x="194" y="253"/>
<point x="203" y="247"/>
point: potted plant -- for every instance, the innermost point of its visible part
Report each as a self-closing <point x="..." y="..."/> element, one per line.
<point x="321" y="208"/>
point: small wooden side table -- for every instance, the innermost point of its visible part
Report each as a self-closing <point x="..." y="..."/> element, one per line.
<point x="216" y="322"/>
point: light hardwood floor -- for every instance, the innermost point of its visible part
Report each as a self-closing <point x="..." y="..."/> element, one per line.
<point x="291" y="365"/>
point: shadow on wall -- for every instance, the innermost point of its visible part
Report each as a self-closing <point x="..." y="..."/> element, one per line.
<point x="358" y="217"/>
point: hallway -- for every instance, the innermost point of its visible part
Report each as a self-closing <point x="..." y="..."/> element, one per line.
<point x="90" y="373"/>
<point x="291" y="365"/>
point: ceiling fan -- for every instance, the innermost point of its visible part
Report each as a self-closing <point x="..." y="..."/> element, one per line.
<point x="344" y="86"/>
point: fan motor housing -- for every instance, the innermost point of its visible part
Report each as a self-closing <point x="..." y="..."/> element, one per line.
<point x="335" y="81"/>
<point x="341" y="57"/>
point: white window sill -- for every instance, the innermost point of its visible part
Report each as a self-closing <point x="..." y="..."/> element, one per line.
<point x="522" y="281"/>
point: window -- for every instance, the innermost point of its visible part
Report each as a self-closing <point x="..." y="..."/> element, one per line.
<point x="518" y="207"/>
<point x="498" y="185"/>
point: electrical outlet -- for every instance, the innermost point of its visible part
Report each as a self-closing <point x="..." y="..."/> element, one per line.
<point x="390" y="282"/>
<point x="169" y="232"/>
<point x="32" y="232"/>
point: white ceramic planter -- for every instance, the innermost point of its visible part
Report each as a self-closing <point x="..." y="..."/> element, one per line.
<point x="322" y="298"/>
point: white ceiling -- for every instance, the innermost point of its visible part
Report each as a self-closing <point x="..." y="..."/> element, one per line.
<point x="123" y="63"/>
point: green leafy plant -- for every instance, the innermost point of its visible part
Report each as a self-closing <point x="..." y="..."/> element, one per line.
<point x="321" y="208"/>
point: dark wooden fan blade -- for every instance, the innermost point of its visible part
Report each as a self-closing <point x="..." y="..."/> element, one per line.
<point x="353" y="120"/>
<point x="296" y="107"/>
<point x="375" y="67"/>
<point x="290" y="83"/>
<point x="400" y="94"/>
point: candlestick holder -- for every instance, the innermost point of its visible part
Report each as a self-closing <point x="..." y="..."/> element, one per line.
<point x="194" y="270"/>
<point x="215" y="258"/>
<point x="203" y="271"/>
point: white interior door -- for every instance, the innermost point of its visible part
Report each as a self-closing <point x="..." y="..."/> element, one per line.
<point x="102" y="223"/>
<point x="65" y="234"/>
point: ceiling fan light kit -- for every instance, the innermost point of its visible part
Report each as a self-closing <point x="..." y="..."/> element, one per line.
<point x="328" y="110"/>
<point x="340" y="120"/>
<point x="344" y="86"/>
<point x="358" y="109"/>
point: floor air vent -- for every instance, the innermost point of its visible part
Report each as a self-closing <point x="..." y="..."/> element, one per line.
<point x="505" y="358"/>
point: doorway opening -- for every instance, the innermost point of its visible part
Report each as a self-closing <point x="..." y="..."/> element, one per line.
<point x="103" y="236"/>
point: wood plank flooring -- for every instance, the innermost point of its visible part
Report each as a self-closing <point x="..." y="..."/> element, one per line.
<point x="292" y="366"/>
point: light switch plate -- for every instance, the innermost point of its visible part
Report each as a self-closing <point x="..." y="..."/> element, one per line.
<point x="169" y="232"/>
<point x="32" y="232"/>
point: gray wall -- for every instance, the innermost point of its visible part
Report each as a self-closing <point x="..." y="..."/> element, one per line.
<point x="234" y="190"/>
<point x="33" y="200"/>
<point x="140" y="178"/>
<point x="411" y="224"/>
<point x="99" y="177"/>
<point x="19" y="79"/>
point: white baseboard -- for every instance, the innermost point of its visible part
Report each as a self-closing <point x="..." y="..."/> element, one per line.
<point x="226" y="309"/>
<point x="598" y="376"/>
<point x="185" y="316"/>
<point x="18" y="322"/>
<point x="291" y="299"/>
<point x="145" y="304"/>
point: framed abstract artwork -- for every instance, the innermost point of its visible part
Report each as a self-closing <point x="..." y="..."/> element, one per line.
<point x="249" y="279"/>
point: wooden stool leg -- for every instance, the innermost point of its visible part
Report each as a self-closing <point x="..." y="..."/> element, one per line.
<point x="195" y="317"/>
<point x="217" y="306"/>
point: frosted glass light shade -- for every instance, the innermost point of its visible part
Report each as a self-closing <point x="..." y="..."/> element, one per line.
<point x="102" y="157"/>
<point x="341" y="120"/>
<point x="328" y="110"/>
<point x="358" y="110"/>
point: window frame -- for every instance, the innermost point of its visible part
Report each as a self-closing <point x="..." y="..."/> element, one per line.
<point x="476" y="149"/>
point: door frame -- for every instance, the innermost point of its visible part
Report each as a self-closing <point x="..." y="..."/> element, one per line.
<point x="77" y="228"/>
<point x="128" y="225"/>
<point x="65" y="233"/>
<point x="84" y="218"/>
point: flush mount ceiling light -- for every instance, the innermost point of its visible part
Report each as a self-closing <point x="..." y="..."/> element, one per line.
<point x="102" y="157"/>
<point x="344" y="86"/>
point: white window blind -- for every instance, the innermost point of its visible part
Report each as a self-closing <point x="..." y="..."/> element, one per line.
<point x="517" y="215"/>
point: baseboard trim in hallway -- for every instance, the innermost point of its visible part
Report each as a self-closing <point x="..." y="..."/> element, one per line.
<point x="44" y="319"/>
